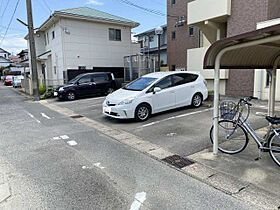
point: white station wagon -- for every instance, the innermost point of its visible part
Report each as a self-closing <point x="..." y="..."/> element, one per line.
<point x="156" y="92"/>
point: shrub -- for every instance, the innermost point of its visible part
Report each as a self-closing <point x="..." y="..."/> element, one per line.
<point x="48" y="93"/>
<point x="42" y="90"/>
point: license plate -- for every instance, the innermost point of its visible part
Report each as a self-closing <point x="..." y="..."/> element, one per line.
<point x="55" y="93"/>
<point x="107" y="109"/>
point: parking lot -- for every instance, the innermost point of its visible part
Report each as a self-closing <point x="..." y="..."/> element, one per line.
<point x="181" y="131"/>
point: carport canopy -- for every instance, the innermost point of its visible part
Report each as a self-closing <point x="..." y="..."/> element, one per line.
<point x="259" y="49"/>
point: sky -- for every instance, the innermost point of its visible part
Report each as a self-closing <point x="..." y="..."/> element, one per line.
<point x="14" y="40"/>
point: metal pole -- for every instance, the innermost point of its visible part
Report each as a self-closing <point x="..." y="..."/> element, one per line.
<point x="158" y="52"/>
<point x="130" y="68"/>
<point x="32" y="52"/>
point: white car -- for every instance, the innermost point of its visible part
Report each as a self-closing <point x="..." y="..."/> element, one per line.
<point x="156" y="92"/>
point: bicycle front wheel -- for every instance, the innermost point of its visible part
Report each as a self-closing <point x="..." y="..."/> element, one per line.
<point x="274" y="148"/>
<point x="232" y="137"/>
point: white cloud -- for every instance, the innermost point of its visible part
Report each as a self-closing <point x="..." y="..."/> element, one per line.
<point x="14" y="43"/>
<point x="94" y="2"/>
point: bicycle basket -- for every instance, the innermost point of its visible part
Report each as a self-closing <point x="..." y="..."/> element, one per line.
<point x="228" y="110"/>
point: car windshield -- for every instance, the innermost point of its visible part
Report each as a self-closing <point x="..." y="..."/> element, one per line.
<point x="140" y="84"/>
<point x="72" y="81"/>
<point x="9" y="77"/>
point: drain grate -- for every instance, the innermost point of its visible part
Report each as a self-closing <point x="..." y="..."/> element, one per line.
<point x="76" y="116"/>
<point x="178" y="161"/>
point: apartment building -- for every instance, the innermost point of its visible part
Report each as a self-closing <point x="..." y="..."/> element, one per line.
<point x="149" y="43"/>
<point x="217" y="19"/>
<point x="79" y="40"/>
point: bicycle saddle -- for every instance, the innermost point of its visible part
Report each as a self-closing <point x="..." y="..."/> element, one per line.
<point x="273" y="120"/>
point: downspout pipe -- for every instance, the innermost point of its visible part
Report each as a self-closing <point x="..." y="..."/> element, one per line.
<point x="217" y="81"/>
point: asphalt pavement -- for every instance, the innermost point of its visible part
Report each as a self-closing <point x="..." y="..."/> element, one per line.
<point x="51" y="161"/>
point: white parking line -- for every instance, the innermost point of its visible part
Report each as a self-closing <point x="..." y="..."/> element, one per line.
<point x="38" y="121"/>
<point x="45" y="116"/>
<point x="64" y="137"/>
<point x="139" y="200"/>
<point x="83" y="101"/>
<point x="175" y="117"/>
<point x="72" y="143"/>
<point x="98" y="165"/>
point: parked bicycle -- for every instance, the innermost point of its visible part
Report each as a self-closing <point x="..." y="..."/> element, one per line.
<point x="234" y="129"/>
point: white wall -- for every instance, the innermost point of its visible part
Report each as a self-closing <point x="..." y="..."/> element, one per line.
<point x="88" y="44"/>
<point x="201" y="10"/>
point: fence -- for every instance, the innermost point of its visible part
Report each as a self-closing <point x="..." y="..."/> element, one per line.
<point x="136" y="66"/>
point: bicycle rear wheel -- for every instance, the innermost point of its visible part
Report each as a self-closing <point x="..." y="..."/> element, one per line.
<point x="274" y="148"/>
<point x="232" y="137"/>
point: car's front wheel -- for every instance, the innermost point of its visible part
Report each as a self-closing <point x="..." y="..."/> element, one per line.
<point x="70" y="96"/>
<point x="142" y="112"/>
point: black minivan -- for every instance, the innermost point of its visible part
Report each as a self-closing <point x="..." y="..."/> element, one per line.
<point x="87" y="84"/>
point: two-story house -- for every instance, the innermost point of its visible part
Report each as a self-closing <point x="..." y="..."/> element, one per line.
<point x="149" y="43"/>
<point x="24" y="57"/>
<point x="81" y="39"/>
<point x="4" y="58"/>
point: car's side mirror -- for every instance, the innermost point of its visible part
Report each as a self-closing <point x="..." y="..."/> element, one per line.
<point x="77" y="83"/>
<point x="156" y="89"/>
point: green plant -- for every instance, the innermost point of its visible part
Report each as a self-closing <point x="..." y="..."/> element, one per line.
<point x="42" y="90"/>
<point x="1" y="70"/>
<point x="211" y="92"/>
<point x="48" y="93"/>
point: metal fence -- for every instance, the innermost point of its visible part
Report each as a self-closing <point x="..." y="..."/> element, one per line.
<point x="136" y="66"/>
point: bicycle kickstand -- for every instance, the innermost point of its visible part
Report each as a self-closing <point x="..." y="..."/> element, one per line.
<point x="259" y="156"/>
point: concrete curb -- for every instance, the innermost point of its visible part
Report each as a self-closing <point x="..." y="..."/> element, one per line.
<point x="224" y="182"/>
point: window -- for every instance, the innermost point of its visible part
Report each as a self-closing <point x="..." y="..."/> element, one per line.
<point x="173" y="68"/>
<point x="180" y="79"/>
<point x="140" y="84"/>
<point x="53" y="35"/>
<point x="54" y="69"/>
<point x="191" y="31"/>
<point x="100" y="78"/>
<point x="164" y="83"/>
<point x="85" y="79"/>
<point x="45" y="38"/>
<point x="173" y="2"/>
<point x="173" y="35"/>
<point x="82" y="67"/>
<point x="48" y="41"/>
<point x="151" y="38"/>
<point x="267" y="79"/>
<point x="115" y="34"/>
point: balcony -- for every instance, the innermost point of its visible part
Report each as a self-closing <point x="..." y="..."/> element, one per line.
<point x="195" y="63"/>
<point x="211" y="10"/>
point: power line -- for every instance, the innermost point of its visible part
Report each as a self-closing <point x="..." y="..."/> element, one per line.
<point x="44" y="1"/>
<point x="156" y="12"/>
<point x="10" y="22"/>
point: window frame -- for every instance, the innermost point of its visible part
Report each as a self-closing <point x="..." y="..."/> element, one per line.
<point x="173" y="35"/>
<point x="84" y="77"/>
<point x="191" y="28"/>
<point x="115" y="34"/>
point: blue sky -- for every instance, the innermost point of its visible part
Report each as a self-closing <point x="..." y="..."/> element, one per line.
<point x="14" y="41"/>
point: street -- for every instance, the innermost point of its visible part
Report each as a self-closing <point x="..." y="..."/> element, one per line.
<point x="51" y="161"/>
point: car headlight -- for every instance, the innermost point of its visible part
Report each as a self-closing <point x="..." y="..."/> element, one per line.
<point x="61" y="89"/>
<point x="127" y="101"/>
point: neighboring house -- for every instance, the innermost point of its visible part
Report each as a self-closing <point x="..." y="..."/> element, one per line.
<point x="23" y="56"/>
<point x="82" y="39"/>
<point x="14" y="59"/>
<point x="209" y="21"/>
<point x="4" y="58"/>
<point x="149" y="43"/>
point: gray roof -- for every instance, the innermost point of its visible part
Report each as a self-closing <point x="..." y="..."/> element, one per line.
<point x="95" y="14"/>
<point x="151" y="31"/>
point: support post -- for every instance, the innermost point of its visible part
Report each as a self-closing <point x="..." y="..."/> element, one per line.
<point x="158" y="52"/>
<point x="216" y="104"/>
<point x="130" y="68"/>
<point x="273" y="87"/>
<point x="32" y="52"/>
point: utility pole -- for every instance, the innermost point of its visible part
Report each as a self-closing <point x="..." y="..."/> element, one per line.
<point x="35" y="82"/>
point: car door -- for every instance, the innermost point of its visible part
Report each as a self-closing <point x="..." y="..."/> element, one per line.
<point x="164" y="99"/>
<point x="184" y="88"/>
<point x="102" y="82"/>
<point x="84" y="86"/>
